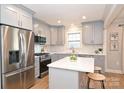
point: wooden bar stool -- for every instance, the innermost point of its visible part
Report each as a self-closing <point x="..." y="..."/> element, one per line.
<point x="97" y="69"/>
<point x="96" y="77"/>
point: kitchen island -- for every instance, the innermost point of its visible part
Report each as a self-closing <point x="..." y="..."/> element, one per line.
<point x="67" y="74"/>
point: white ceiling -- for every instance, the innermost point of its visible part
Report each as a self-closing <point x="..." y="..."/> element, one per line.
<point x="68" y="13"/>
<point x="121" y="15"/>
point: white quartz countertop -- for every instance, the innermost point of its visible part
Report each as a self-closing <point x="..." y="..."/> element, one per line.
<point x="80" y="53"/>
<point x="82" y="64"/>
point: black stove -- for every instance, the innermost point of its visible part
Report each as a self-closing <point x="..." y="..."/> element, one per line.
<point x="44" y="59"/>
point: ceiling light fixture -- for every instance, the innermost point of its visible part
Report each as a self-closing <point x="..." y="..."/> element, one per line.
<point x="10" y="8"/>
<point x="36" y="25"/>
<point x="83" y="17"/>
<point x="59" y="21"/>
<point x="72" y="24"/>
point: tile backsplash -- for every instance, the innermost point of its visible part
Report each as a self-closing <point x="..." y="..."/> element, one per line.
<point x="83" y="49"/>
<point x="37" y="48"/>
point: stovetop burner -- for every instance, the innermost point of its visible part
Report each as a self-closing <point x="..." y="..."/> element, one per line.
<point x="40" y="54"/>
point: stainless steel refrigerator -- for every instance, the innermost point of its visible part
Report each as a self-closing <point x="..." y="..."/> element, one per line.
<point x="17" y="57"/>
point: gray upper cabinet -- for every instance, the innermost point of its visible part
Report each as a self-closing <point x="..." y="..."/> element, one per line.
<point x="26" y="20"/>
<point x="61" y="36"/>
<point x="53" y="36"/>
<point x="47" y="35"/>
<point x="57" y="35"/>
<point x="9" y="15"/>
<point x="15" y="16"/>
<point x="98" y="32"/>
<point x="87" y="33"/>
<point x="93" y="32"/>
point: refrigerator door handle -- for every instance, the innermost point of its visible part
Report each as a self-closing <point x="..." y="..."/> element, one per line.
<point x="21" y="57"/>
<point x="26" y="68"/>
<point x="24" y="50"/>
<point x="12" y="73"/>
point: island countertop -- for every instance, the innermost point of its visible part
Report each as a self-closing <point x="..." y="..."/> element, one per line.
<point x="82" y="64"/>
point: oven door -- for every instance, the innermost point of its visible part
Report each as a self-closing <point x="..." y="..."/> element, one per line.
<point x="10" y="40"/>
<point x="43" y="65"/>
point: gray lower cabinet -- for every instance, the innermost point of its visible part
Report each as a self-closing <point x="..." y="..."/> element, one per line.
<point x="60" y="56"/>
<point x="56" y="56"/>
<point x="83" y="55"/>
<point x="100" y="61"/>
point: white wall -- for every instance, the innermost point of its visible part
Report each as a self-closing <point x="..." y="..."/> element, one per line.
<point x="41" y="29"/>
<point x="84" y="48"/>
<point x="114" y="58"/>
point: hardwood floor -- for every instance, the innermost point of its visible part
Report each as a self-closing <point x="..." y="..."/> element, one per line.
<point x="41" y="83"/>
<point x="113" y="81"/>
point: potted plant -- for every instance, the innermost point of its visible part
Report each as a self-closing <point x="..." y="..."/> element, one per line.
<point x="73" y="56"/>
<point x="99" y="50"/>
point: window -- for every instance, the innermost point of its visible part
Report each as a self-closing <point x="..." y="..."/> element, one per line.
<point x="74" y="40"/>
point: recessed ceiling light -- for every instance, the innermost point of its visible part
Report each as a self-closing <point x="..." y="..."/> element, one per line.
<point x="10" y="8"/>
<point x="83" y="17"/>
<point x="72" y="24"/>
<point x="59" y="21"/>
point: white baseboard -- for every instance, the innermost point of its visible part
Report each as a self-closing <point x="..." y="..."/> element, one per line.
<point x="114" y="71"/>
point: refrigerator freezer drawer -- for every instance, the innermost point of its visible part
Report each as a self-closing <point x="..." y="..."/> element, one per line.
<point x="12" y="81"/>
<point x="29" y="77"/>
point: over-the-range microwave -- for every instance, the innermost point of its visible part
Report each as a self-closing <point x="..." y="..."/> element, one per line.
<point x="40" y="39"/>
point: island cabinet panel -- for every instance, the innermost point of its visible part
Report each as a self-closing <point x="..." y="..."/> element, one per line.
<point x="63" y="79"/>
<point x="65" y="74"/>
